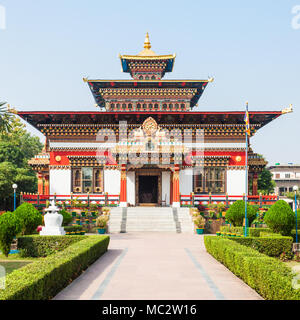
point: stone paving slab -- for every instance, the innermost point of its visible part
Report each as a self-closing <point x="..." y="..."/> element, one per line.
<point x="155" y="266"/>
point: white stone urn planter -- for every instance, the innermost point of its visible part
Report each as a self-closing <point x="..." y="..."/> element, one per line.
<point x="53" y="221"/>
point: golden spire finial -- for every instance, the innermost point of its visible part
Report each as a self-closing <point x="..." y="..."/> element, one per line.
<point x="147" y="44"/>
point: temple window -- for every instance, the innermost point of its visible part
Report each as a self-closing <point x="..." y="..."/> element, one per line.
<point x="182" y="106"/>
<point x="150" y="106"/>
<point x="165" y="106"/>
<point x="170" y="106"/>
<point x="112" y="106"/>
<point x="141" y="77"/>
<point x="129" y="106"/>
<point x="146" y="78"/>
<point x="156" y="106"/>
<point x="87" y="179"/>
<point x="211" y="180"/>
<point x="118" y="106"/>
<point x="153" y="78"/>
<point x="176" y="106"/>
<point x="123" y="106"/>
<point x="138" y="106"/>
<point x="144" y="106"/>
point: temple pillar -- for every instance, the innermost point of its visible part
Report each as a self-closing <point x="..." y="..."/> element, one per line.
<point x="46" y="186"/>
<point x="175" y="188"/>
<point x="40" y="183"/>
<point x="123" y="187"/>
<point x="255" y="184"/>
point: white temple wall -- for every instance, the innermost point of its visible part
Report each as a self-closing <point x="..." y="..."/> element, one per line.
<point x="131" y="187"/>
<point x="165" y="186"/>
<point x="112" y="181"/>
<point x="186" y="181"/>
<point x="60" y="181"/>
<point x="236" y="180"/>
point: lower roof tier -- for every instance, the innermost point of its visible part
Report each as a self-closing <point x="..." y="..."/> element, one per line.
<point x="40" y="119"/>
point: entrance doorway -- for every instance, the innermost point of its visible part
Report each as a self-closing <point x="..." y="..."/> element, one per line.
<point x="148" y="189"/>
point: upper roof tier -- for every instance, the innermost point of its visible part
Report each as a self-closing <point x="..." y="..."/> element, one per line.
<point x="147" y="65"/>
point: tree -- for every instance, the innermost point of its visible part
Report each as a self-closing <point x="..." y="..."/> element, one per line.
<point x="5" y="118"/>
<point x="29" y="217"/>
<point x="16" y="147"/>
<point x="9" y="227"/>
<point x="280" y="218"/>
<point x="236" y="213"/>
<point x="266" y="184"/>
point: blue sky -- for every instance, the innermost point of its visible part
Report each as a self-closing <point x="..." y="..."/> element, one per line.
<point x="249" y="47"/>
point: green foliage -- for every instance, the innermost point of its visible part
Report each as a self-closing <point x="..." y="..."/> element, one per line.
<point x="67" y="217"/>
<point x="5" y="118"/>
<point x="43" y="246"/>
<point x="253" y="232"/>
<point x="272" y="246"/>
<point x="265" y="183"/>
<point x="9" y="227"/>
<point x="43" y="279"/>
<point x="270" y="277"/>
<point x="101" y="222"/>
<point x="17" y="146"/>
<point x="221" y="207"/>
<point x="199" y="222"/>
<point x="75" y="228"/>
<point x="280" y="218"/>
<point x="236" y="213"/>
<point x="29" y="217"/>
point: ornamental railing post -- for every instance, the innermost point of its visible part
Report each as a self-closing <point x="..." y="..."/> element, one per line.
<point x="21" y="198"/>
<point x="54" y="197"/>
<point x="209" y="199"/>
<point x="227" y="201"/>
<point x="106" y="199"/>
<point x="88" y="199"/>
<point x="260" y="200"/>
<point x="193" y="198"/>
<point x="38" y="199"/>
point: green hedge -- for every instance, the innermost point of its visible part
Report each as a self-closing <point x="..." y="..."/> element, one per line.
<point x="270" y="277"/>
<point x="43" y="246"/>
<point x="46" y="277"/>
<point x="271" y="246"/>
<point x="253" y="232"/>
<point x="74" y="228"/>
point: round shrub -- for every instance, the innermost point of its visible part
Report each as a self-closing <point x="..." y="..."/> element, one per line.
<point x="280" y="218"/>
<point x="29" y="216"/>
<point x="67" y="218"/>
<point x="10" y="226"/>
<point x="236" y="213"/>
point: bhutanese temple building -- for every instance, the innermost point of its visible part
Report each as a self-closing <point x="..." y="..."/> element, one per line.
<point x="144" y="142"/>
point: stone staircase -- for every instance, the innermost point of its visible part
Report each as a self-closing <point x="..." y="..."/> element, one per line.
<point x="150" y="219"/>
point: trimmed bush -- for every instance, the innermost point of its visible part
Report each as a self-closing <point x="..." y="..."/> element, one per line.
<point x="46" y="277"/>
<point x="10" y="226"/>
<point x="67" y="217"/>
<point x="253" y="232"/>
<point x="236" y="213"/>
<point x="29" y="217"/>
<point x="43" y="246"/>
<point x="280" y="218"/>
<point x="271" y="246"/>
<point x="75" y="228"/>
<point x="270" y="277"/>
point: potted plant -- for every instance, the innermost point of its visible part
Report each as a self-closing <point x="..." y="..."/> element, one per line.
<point x="221" y="209"/>
<point x="218" y="233"/>
<point x="200" y="224"/>
<point x="101" y="223"/>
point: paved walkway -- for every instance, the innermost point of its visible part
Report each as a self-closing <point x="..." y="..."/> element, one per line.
<point x="157" y="266"/>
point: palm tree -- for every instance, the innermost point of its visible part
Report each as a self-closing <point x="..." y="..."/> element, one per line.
<point x="5" y="118"/>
